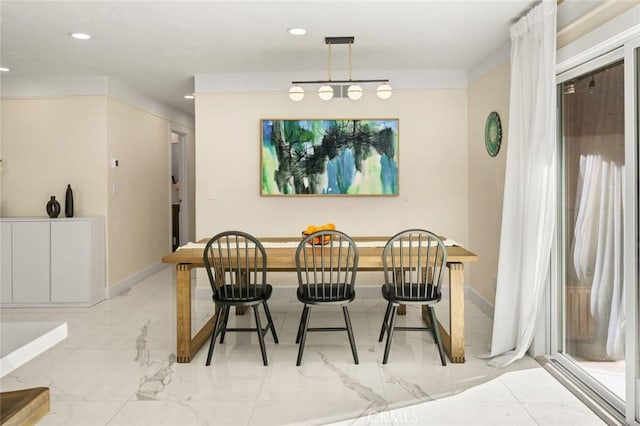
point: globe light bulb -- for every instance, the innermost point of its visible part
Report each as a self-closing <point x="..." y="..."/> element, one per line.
<point x="296" y="93"/>
<point x="325" y="92"/>
<point x="384" y="91"/>
<point x="354" y="92"/>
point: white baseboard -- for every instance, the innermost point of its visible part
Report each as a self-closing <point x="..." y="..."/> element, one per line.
<point x="126" y="284"/>
<point x="481" y="303"/>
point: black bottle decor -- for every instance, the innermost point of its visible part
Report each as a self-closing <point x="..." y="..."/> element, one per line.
<point x="53" y="207"/>
<point x="68" y="202"/>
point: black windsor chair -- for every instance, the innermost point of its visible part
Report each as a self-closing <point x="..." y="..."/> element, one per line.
<point x="326" y="264"/>
<point x="413" y="262"/>
<point x="236" y="264"/>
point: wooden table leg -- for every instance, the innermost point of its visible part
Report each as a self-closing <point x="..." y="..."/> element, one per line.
<point x="183" y="311"/>
<point x="456" y="311"/>
<point x="201" y="337"/>
<point x="453" y="340"/>
<point x="187" y="347"/>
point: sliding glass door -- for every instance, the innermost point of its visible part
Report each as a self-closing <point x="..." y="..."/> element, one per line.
<point x="593" y="159"/>
<point x="595" y="293"/>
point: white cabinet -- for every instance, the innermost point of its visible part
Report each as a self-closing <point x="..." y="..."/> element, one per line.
<point x="6" y="291"/>
<point x="77" y="261"/>
<point x="57" y="262"/>
<point x="31" y="256"/>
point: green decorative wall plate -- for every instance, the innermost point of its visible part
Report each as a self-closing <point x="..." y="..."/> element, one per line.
<point x="493" y="134"/>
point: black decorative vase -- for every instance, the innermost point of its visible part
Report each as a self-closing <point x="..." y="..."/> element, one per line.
<point x="53" y="207"/>
<point x="68" y="202"/>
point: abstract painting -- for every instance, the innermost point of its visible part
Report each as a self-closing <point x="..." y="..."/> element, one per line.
<point x="329" y="157"/>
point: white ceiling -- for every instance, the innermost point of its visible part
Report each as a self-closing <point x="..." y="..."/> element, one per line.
<point x="158" y="46"/>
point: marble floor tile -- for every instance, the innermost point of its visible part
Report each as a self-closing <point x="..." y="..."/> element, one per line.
<point x="304" y="413"/>
<point x="118" y="367"/>
<point x="445" y="412"/>
<point x="81" y="413"/>
<point x="172" y="413"/>
<point x="562" y="414"/>
<point x="537" y="386"/>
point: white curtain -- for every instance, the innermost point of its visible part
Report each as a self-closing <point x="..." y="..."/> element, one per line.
<point x="529" y="206"/>
<point x="597" y="245"/>
<point x="595" y="154"/>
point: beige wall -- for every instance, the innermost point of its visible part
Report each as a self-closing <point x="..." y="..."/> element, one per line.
<point x="486" y="178"/>
<point x="432" y="163"/>
<point x="47" y="144"/>
<point x="139" y="211"/>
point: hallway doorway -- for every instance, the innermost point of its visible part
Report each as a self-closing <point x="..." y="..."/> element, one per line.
<point x="179" y="190"/>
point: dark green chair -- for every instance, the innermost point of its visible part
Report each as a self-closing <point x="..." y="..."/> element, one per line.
<point x="413" y="262"/>
<point x="326" y="263"/>
<point x="236" y="264"/>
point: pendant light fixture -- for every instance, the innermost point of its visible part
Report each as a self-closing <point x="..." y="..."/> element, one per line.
<point x="326" y="90"/>
<point x="354" y="91"/>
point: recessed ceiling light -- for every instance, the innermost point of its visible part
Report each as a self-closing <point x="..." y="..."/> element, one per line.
<point x="189" y="97"/>
<point x="296" y="31"/>
<point x="4" y="69"/>
<point x="80" y="36"/>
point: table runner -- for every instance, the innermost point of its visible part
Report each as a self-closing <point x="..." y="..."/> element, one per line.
<point x="294" y="244"/>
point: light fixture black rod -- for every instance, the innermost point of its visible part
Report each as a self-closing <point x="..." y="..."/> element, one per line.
<point x="340" y="81"/>
<point x="339" y="40"/>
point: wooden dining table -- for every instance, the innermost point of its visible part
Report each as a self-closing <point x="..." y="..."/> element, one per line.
<point x="281" y="258"/>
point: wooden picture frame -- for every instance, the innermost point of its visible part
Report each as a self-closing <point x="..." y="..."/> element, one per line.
<point x="329" y="157"/>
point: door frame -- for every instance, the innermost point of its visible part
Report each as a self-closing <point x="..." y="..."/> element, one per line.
<point x="628" y="49"/>
<point x="631" y="219"/>
<point x="558" y="323"/>
<point x="184" y="179"/>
